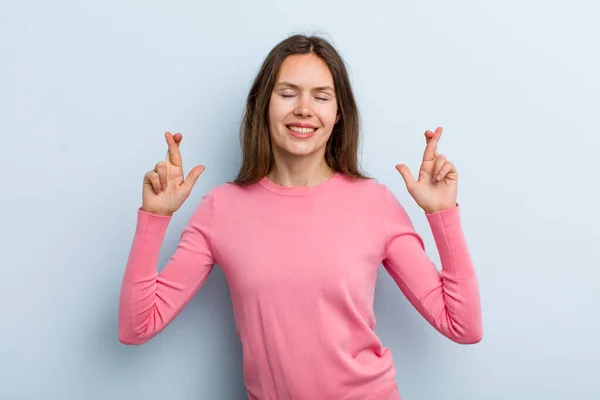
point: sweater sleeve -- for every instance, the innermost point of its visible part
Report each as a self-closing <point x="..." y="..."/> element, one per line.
<point x="149" y="301"/>
<point x="449" y="300"/>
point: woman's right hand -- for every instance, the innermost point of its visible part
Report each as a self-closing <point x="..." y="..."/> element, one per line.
<point x="164" y="189"/>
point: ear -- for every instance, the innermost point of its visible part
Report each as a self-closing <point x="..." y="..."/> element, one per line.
<point x="337" y="118"/>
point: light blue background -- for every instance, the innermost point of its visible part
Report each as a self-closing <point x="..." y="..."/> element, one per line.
<point x="88" y="89"/>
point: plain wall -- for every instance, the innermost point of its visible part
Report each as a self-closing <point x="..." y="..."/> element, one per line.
<point x="87" y="91"/>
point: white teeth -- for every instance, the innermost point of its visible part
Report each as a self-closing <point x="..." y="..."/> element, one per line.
<point x="301" y="130"/>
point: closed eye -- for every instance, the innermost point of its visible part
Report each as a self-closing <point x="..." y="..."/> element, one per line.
<point x="287" y="95"/>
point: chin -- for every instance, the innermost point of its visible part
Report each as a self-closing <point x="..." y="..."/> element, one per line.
<point x="306" y="148"/>
<point x="298" y="151"/>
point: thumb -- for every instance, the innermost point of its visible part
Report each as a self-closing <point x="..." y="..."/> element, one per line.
<point x="409" y="180"/>
<point x="193" y="176"/>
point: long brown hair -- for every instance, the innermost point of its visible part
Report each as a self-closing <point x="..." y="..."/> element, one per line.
<point x="341" y="152"/>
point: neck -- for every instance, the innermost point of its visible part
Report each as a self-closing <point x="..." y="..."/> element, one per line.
<point x="300" y="171"/>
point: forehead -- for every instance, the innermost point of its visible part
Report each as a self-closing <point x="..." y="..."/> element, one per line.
<point x="305" y="70"/>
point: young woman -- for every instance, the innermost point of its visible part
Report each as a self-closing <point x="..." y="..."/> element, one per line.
<point x="300" y="235"/>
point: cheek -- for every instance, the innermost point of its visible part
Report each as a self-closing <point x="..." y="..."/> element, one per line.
<point x="328" y="115"/>
<point x="277" y="112"/>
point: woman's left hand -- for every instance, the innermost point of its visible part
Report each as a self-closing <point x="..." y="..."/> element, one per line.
<point x="435" y="189"/>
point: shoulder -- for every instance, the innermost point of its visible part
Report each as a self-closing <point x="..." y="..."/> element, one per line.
<point x="227" y="195"/>
<point x="375" y="194"/>
<point x="369" y="187"/>
<point x="229" y="190"/>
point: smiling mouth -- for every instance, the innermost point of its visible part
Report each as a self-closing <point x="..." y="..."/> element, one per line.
<point x="301" y="131"/>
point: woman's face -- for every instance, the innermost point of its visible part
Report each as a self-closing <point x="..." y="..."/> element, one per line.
<point x="303" y="107"/>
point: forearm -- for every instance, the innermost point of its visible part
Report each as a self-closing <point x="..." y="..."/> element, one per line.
<point x="460" y="313"/>
<point x="137" y="312"/>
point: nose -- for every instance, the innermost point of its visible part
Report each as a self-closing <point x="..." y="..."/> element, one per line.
<point x="303" y="107"/>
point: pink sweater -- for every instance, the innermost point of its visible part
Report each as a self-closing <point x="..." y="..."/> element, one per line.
<point x="301" y="264"/>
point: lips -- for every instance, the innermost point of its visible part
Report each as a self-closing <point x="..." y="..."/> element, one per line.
<point x="301" y="125"/>
<point x="301" y="132"/>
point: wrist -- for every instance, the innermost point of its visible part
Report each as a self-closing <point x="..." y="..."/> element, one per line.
<point x="156" y="212"/>
<point x="439" y="209"/>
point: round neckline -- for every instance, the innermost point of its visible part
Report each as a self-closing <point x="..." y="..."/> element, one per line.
<point x="297" y="190"/>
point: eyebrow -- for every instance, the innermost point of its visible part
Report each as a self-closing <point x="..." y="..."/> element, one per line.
<point x="321" y="88"/>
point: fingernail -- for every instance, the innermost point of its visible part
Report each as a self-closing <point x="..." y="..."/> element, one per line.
<point x="164" y="186"/>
